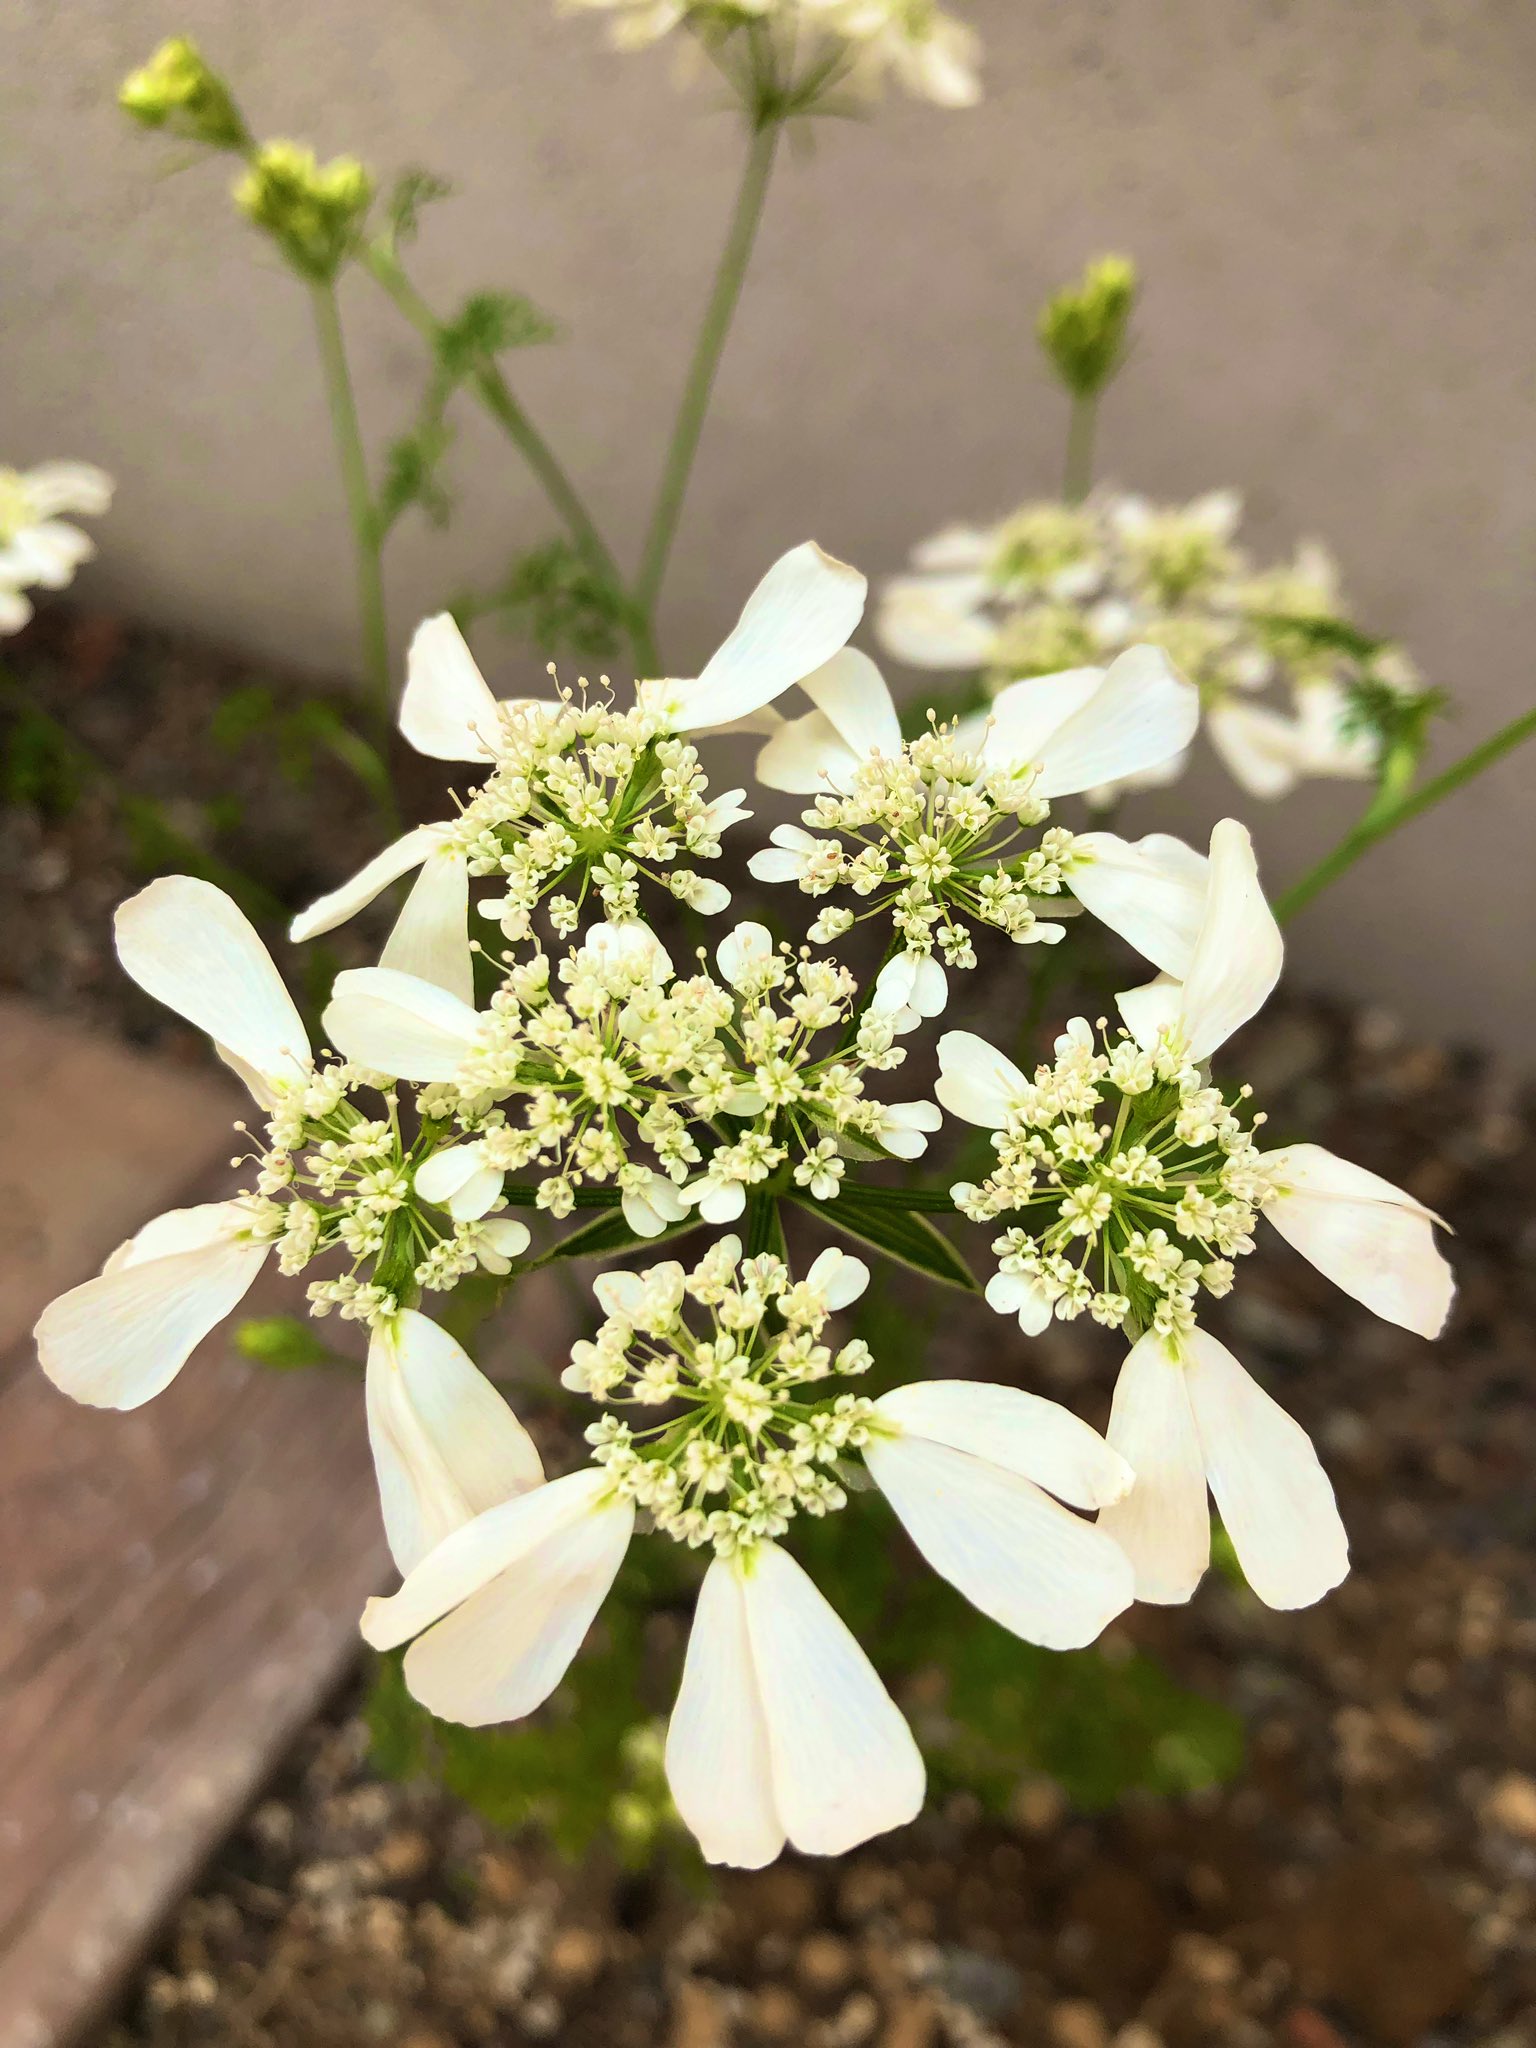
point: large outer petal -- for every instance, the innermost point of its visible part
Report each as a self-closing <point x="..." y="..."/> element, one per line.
<point x="446" y="1446"/>
<point x="976" y="1081"/>
<point x="505" y="1650"/>
<point x="116" y="1341"/>
<point x="447" y="709"/>
<point x="371" y="880"/>
<point x="1260" y="747"/>
<point x="1022" y="719"/>
<point x="1366" y="1235"/>
<point x="1142" y="714"/>
<point x="431" y="934"/>
<point x="191" y="948"/>
<point x="850" y="691"/>
<point x="1152" y="891"/>
<point x="797" y="618"/>
<point x="718" y="1763"/>
<point x="937" y="621"/>
<point x="1274" y="1496"/>
<point x="65" y="486"/>
<point x="1008" y="1547"/>
<point x="1022" y="1433"/>
<point x="398" y="1024"/>
<point x="806" y="756"/>
<point x="845" y="1766"/>
<point x="1239" y="953"/>
<point x="1163" y="1525"/>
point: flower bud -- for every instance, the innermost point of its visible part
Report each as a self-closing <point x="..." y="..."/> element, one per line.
<point x="176" y="90"/>
<point x="311" y="210"/>
<point x="1083" y="329"/>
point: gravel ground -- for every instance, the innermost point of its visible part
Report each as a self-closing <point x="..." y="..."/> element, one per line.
<point x="1368" y="1880"/>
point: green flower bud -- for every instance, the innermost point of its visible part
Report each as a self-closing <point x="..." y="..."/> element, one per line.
<point x="1084" y="328"/>
<point x="312" y="211"/>
<point x="177" y="91"/>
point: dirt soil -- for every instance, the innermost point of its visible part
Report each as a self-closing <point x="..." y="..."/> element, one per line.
<point x="1368" y="1880"/>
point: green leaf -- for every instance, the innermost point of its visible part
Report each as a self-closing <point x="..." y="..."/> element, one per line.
<point x="557" y="598"/>
<point x="413" y="189"/>
<point x="764" y="1226"/>
<point x="486" y="325"/>
<point x="608" y="1236"/>
<point x="285" y="1343"/>
<point x="412" y="472"/>
<point x="900" y="1233"/>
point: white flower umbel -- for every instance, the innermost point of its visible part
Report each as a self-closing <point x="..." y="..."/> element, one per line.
<point x="618" y="1071"/>
<point x="936" y="834"/>
<point x="585" y="799"/>
<point x="782" y="1731"/>
<point x="446" y="1446"/>
<point x="1134" y="1184"/>
<point x="813" y="52"/>
<point x="1289" y="688"/>
<point x="38" y="548"/>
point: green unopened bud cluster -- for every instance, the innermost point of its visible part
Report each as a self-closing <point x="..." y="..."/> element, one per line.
<point x="177" y="91"/>
<point x="1084" y="328"/>
<point x="313" y="211"/>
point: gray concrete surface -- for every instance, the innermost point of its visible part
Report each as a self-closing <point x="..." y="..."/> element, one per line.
<point x="1334" y="201"/>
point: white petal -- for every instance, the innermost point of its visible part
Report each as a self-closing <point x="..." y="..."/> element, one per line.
<point x="1274" y="1496"/>
<point x="1143" y="713"/>
<point x="976" y="1081"/>
<point x="1239" y="953"/>
<point x="1022" y="1433"/>
<point x="1260" y="748"/>
<point x="79" y="487"/>
<point x="851" y="693"/>
<point x="399" y="1025"/>
<point x="741" y="954"/>
<point x="191" y="948"/>
<point x="776" y="864"/>
<point x="407" y="852"/>
<point x="718" y="1765"/>
<point x="1151" y="891"/>
<point x="845" y="1766"/>
<point x="806" y="756"/>
<point x="937" y="622"/>
<point x="1366" y="1235"/>
<point x="116" y="1341"/>
<point x="1016" y="1294"/>
<point x="447" y="709"/>
<point x="957" y="547"/>
<point x="1163" y="1524"/>
<point x="472" y="1557"/>
<point x="505" y="1650"/>
<point x="1008" y="1547"/>
<point x="797" y="618"/>
<point x="1023" y="717"/>
<point x="446" y="1446"/>
<point x="431" y="934"/>
<point x="1151" y="1010"/>
<point x="837" y="1278"/>
<point x="181" y="1230"/>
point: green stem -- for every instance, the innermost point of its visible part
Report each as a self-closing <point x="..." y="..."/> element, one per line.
<point x="1077" y="473"/>
<point x="1376" y="825"/>
<point x="689" y="425"/>
<point x="495" y="394"/>
<point x="360" y="506"/>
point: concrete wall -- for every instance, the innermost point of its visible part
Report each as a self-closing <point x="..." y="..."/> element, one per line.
<point x="1332" y="199"/>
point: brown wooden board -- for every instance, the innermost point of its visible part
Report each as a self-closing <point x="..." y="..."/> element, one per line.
<point x="178" y="1587"/>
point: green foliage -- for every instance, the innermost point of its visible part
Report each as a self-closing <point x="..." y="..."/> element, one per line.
<point x="1084" y="327"/>
<point x="39" y="766"/>
<point x="901" y="1234"/>
<point x="412" y="475"/>
<point x="486" y="326"/>
<point x="414" y="190"/>
<point x="558" y="600"/>
<point x="609" y="1237"/>
<point x="301" y="736"/>
<point x="285" y="1343"/>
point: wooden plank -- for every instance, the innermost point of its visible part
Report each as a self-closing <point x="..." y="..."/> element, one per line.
<point x="95" y="1139"/>
<point x="182" y="1584"/>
